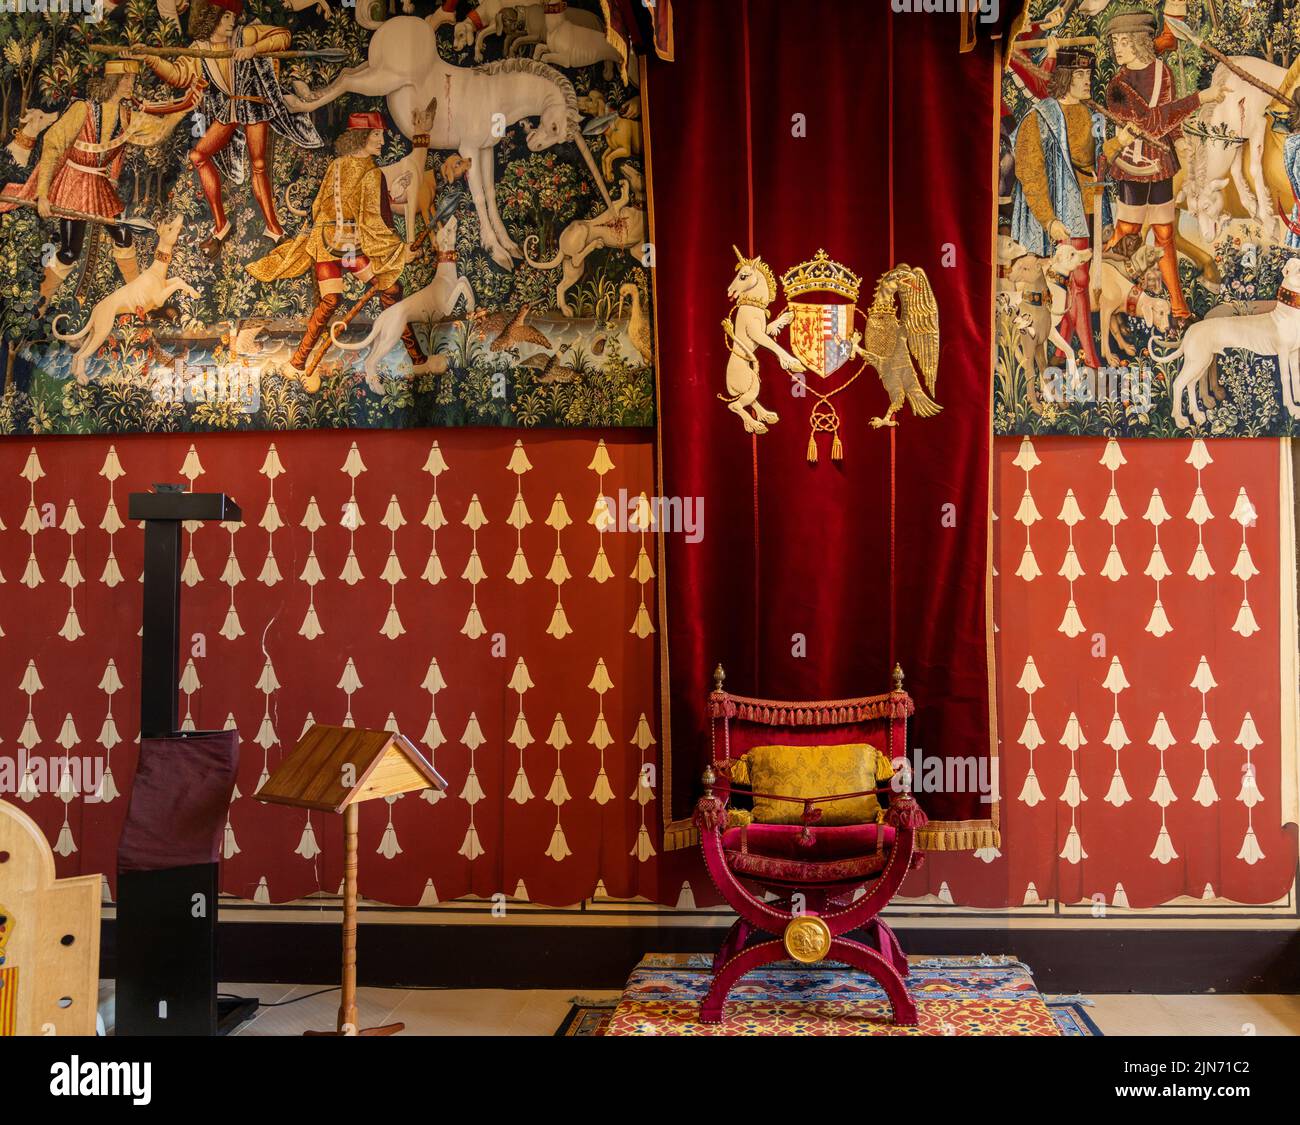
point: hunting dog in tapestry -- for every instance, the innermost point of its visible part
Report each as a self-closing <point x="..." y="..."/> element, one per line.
<point x="149" y="291"/>
<point x="431" y="304"/>
<point x="618" y="227"/>
<point x="1275" y="334"/>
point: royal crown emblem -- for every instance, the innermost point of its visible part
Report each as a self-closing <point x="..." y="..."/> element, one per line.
<point x="821" y="274"/>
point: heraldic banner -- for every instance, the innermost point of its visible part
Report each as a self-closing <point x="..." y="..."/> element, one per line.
<point x="798" y="158"/>
<point x="285" y="214"/>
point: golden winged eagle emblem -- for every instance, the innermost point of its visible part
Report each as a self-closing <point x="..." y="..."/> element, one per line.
<point x="897" y="347"/>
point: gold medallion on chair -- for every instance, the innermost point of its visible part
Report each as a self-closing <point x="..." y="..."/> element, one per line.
<point x="823" y="339"/>
<point x="807" y="938"/>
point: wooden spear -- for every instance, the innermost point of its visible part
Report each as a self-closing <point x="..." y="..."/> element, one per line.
<point x="1184" y="32"/>
<point x="1119" y="122"/>
<point x="351" y="314"/>
<point x="329" y="54"/>
<point x="136" y="226"/>
<point x="1069" y="41"/>
<point x="328" y="342"/>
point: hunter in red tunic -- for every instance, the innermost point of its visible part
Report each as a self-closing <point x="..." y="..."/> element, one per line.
<point x="81" y="158"/>
<point x="1142" y="93"/>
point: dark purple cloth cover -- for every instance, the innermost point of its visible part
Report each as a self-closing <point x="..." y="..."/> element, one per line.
<point x="178" y="801"/>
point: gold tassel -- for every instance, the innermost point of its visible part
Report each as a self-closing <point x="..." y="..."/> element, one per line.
<point x="837" y="448"/>
<point x="812" y="448"/>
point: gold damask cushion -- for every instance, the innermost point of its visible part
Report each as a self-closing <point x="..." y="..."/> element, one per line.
<point x="817" y="771"/>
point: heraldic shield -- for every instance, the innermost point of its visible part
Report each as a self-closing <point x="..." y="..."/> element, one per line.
<point x="821" y="297"/>
<point x="821" y="335"/>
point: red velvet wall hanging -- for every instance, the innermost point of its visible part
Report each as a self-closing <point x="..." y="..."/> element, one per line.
<point x="865" y="133"/>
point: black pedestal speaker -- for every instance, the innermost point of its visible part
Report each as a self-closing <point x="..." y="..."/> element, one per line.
<point x="166" y="952"/>
<point x="166" y="933"/>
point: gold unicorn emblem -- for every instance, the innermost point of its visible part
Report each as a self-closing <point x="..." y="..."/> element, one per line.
<point x="748" y="331"/>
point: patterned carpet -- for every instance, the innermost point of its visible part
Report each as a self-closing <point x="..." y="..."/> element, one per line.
<point x="955" y="996"/>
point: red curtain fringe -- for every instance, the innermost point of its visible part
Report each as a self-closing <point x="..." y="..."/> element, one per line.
<point x="771" y="712"/>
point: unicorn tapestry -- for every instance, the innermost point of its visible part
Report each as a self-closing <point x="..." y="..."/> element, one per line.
<point x="291" y="214"/>
<point x="1148" y="249"/>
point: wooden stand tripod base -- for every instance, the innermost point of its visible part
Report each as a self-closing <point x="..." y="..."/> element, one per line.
<point x="387" y="1029"/>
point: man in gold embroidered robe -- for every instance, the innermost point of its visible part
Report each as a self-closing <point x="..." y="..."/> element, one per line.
<point x="351" y="231"/>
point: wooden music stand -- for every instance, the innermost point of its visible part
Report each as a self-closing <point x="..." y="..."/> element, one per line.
<point x="334" y="769"/>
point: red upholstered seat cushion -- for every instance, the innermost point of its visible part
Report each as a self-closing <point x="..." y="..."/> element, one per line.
<point x="835" y="855"/>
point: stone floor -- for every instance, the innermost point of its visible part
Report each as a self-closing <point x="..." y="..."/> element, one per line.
<point x="490" y="1011"/>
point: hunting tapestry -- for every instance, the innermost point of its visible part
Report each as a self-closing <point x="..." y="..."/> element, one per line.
<point x="1148" y="249"/>
<point x="292" y="214"/>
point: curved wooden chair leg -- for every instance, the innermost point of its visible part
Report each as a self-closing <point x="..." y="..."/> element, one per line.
<point x="744" y="962"/>
<point x="732" y="944"/>
<point x="858" y="913"/>
<point x="757" y="912"/>
<point x="869" y="961"/>
<point x="890" y="948"/>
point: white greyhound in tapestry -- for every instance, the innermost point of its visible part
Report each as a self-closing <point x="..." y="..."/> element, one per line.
<point x="148" y="291"/>
<point x="747" y="330"/>
<point x="433" y="303"/>
<point x="1275" y="333"/>
<point x="474" y="104"/>
<point x="30" y="126"/>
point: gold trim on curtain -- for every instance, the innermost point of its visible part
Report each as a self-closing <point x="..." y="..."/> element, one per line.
<point x="1289" y="656"/>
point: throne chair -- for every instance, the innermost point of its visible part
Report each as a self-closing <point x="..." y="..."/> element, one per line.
<point x="825" y="832"/>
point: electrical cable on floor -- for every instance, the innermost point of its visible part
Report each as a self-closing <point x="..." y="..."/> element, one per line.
<point x="335" y="988"/>
<point x="282" y="1003"/>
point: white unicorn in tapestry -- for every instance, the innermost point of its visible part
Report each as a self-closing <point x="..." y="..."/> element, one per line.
<point x="747" y="330"/>
<point x="473" y="103"/>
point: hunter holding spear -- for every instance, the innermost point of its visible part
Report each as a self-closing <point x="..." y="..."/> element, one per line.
<point x="1141" y="94"/>
<point x="352" y="232"/>
<point x="236" y="90"/>
<point x="75" y="179"/>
